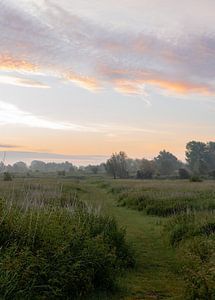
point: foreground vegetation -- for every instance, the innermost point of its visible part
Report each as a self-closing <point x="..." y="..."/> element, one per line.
<point x="187" y="209"/>
<point x="59" y="239"/>
<point x="55" y="246"/>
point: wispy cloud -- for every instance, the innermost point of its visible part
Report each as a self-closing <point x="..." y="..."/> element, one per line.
<point x="86" y="82"/>
<point x="26" y="82"/>
<point x="49" y="38"/>
<point x="8" y="62"/>
<point x="10" y="114"/>
<point x="6" y="146"/>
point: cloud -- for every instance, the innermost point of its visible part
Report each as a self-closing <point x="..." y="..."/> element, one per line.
<point x="13" y="156"/>
<point x="10" y="114"/>
<point x="8" y="62"/>
<point x="49" y="38"/>
<point x="25" y="82"/>
<point x="89" y="83"/>
<point x="8" y="146"/>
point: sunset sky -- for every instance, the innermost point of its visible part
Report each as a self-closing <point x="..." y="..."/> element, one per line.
<point x="91" y="77"/>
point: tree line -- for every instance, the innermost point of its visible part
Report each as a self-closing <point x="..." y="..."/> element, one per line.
<point x="200" y="161"/>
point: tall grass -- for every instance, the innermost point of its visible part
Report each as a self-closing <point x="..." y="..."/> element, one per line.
<point x="189" y="211"/>
<point x="163" y="201"/>
<point x="55" y="246"/>
<point x="194" y="236"/>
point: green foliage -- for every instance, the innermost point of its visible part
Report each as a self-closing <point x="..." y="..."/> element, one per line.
<point x="189" y="226"/>
<point x="166" y="163"/>
<point x="61" y="173"/>
<point x="147" y="169"/>
<point x="195" y="178"/>
<point x="7" y="176"/>
<point x="201" y="157"/>
<point x="163" y="202"/>
<point x="59" y="253"/>
<point x="144" y="174"/>
<point x="194" y="235"/>
<point x="183" y="173"/>
<point x="198" y="259"/>
<point x="117" y="165"/>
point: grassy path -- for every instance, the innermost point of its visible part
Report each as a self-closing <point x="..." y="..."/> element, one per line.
<point x="154" y="276"/>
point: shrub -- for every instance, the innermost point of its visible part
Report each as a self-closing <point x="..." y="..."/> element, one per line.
<point x="144" y="174"/>
<point x="212" y="174"/>
<point x="195" y="178"/>
<point x="193" y="234"/>
<point x="7" y="176"/>
<point x="197" y="257"/>
<point x="189" y="225"/>
<point x="183" y="173"/>
<point x="61" y="173"/>
<point x="58" y="253"/>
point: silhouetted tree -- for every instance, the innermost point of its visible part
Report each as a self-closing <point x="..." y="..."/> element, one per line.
<point x="117" y="166"/>
<point x="195" y="156"/>
<point x="183" y="173"/>
<point x="38" y="165"/>
<point x="147" y="169"/>
<point x="166" y="163"/>
<point x="7" y="176"/>
<point x="20" y="167"/>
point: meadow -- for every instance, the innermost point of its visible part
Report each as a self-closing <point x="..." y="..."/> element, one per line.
<point x="98" y="238"/>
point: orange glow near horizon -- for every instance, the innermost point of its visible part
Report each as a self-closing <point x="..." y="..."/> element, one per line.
<point x="95" y="144"/>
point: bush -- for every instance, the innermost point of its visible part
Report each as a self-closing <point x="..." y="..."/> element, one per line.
<point x="58" y="253"/>
<point x="193" y="234"/>
<point x="7" y="176"/>
<point x="144" y="174"/>
<point x="189" y="225"/>
<point x="61" y="173"/>
<point x="212" y="174"/>
<point x="165" y="203"/>
<point x="195" y="178"/>
<point x="197" y="257"/>
<point x="183" y="173"/>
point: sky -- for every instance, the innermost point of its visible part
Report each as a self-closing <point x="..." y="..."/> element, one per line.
<point x="83" y="79"/>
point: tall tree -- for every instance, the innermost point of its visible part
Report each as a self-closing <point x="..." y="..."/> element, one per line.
<point x="210" y="156"/>
<point x="196" y="156"/>
<point x="117" y="165"/>
<point x="147" y="169"/>
<point x="20" y="167"/>
<point x="166" y="163"/>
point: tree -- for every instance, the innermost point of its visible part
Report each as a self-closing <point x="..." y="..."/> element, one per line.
<point x="147" y="169"/>
<point x="94" y="169"/>
<point x="117" y="166"/>
<point x="197" y="156"/>
<point x="38" y="165"/>
<point x="210" y="156"/>
<point x="20" y="167"/>
<point x="7" y="176"/>
<point x="133" y="165"/>
<point x="61" y="173"/>
<point x="2" y="167"/>
<point x="166" y="163"/>
<point x="183" y="173"/>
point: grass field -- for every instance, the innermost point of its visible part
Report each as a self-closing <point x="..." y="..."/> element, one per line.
<point x="169" y="226"/>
